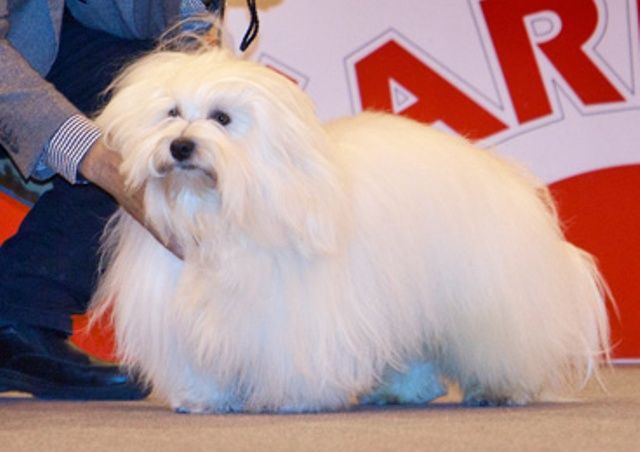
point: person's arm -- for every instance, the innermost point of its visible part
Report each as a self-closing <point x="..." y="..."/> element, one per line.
<point x="44" y="133"/>
<point x="101" y="166"/>
<point x="31" y="110"/>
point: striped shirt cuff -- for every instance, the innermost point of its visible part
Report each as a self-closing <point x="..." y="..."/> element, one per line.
<point x="69" y="144"/>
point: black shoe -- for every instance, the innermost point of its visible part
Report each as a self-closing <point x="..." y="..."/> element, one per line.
<point x="44" y="363"/>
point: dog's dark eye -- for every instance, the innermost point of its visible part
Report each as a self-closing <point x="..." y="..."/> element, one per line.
<point x="220" y="117"/>
<point x="174" y="112"/>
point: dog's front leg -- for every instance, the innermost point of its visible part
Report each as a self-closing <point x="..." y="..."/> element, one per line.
<point x="200" y="397"/>
<point x="189" y="390"/>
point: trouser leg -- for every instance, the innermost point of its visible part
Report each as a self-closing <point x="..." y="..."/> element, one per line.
<point x="48" y="269"/>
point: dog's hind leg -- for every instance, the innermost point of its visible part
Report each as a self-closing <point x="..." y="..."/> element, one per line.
<point x="419" y="384"/>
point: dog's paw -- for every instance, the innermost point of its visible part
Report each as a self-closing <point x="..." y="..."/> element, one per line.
<point x="491" y="402"/>
<point x="188" y="408"/>
<point x="207" y="406"/>
<point x="478" y="399"/>
<point x="420" y="384"/>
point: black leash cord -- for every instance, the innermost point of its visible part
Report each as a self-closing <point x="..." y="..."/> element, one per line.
<point x="252" y="31"/>
<point x="218" y="7"/>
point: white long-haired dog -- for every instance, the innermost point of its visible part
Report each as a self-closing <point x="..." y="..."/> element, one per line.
<point x="329" y="263"/>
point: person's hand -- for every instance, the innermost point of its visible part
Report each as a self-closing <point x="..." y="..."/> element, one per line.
<point x="100" y="166"/>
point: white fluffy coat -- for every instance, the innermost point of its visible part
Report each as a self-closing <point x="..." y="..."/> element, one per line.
<point x="321" y="258"/>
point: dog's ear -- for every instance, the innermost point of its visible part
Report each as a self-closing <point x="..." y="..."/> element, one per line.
<point x="298" y="183"/>
<point x="313" y="207"/>
<point x="314" y="182"/>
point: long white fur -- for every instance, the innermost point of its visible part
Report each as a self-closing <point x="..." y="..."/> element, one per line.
<point x="322" y="256"/>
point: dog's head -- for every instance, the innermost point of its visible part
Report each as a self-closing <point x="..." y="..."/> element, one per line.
<point x="218" y="140"/>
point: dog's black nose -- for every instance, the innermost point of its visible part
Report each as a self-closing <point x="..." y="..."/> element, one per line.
<point x="182" y="148"/>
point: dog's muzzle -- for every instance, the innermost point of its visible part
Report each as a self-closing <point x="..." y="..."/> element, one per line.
<point x="185" y="161"/>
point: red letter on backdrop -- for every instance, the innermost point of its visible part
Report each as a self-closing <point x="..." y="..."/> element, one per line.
<point x="437" y="98"/>
<point x="579" y="18"/>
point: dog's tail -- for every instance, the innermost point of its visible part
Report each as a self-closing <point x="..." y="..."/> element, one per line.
<point x="591" y="297"/>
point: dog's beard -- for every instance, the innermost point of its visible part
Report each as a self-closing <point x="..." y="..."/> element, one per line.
<point x="178" y="177"/>
<point x="179" y="200"/>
